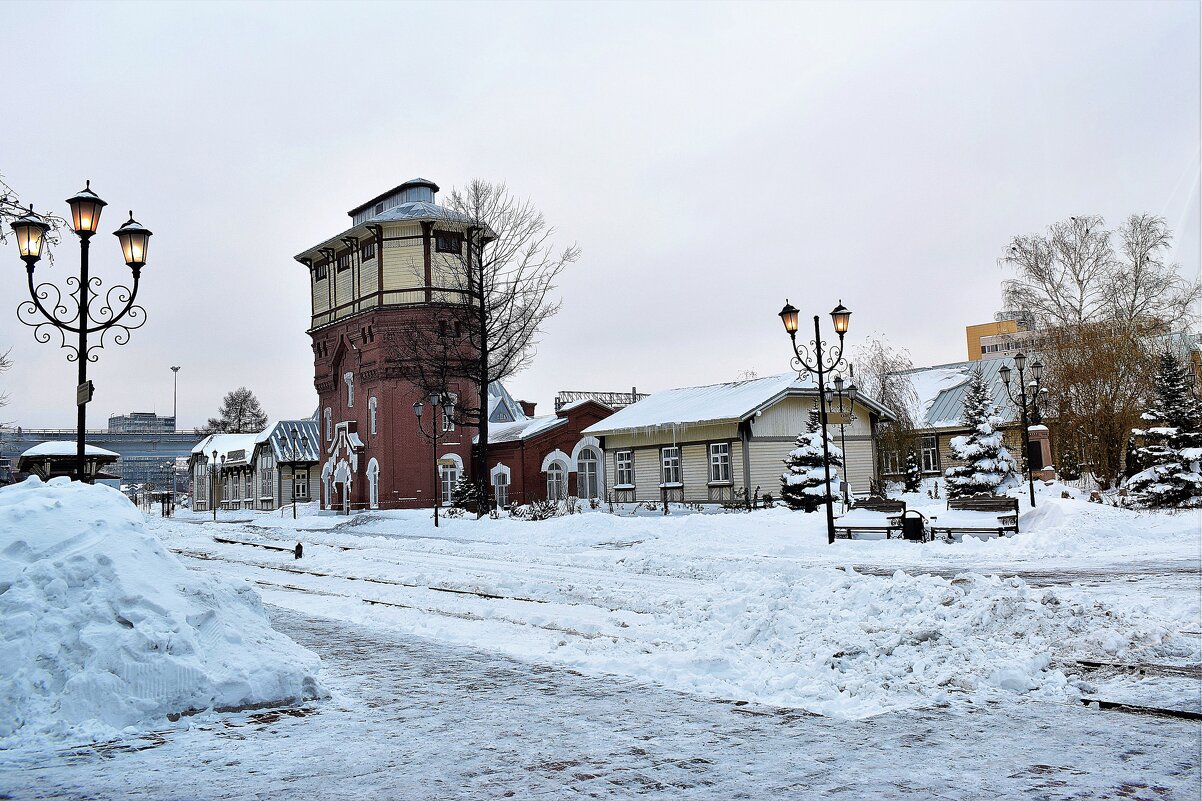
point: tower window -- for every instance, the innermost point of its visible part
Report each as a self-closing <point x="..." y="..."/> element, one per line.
<point x="448" y="243"/>
<point x="344" y="261"/>
<point x="320" y="271"/>
<point x="368" y="251"/>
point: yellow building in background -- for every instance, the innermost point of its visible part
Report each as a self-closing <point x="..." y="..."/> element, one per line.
<point x="976" y="333"/>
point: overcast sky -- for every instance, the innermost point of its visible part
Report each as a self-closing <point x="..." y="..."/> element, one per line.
<point x="710" y="161"/>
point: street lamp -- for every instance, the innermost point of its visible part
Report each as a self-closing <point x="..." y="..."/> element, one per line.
<point x="213" y="485"/>
<point x="851" y="393"/>
<point x="819" y="365"/>
<point x="121" y="319"/>
<point x="175" y="398"/>
<point x="1029" y="409"/>
<point x="447" y="403"/>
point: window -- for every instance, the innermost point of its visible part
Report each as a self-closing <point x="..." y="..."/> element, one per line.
<point x="588" y="475"/>
<point x="249" y="486"/>
<point x="500" y="489"/>
<point x="300" y="485"/>
<point x="371" y="415"/>
<point x="719" y="462"/>
<point x="448" y="243"/>
<point x="625" y="468"/>
<point x="344" y="261"/>
<point x="368" y="251"/>
<point x="320" y="271"/>
<point x="329" y="424"/>
<point x="670" y="458"/>
<point x="450" y="477"/>
<point x="891" y="461"/>
<point x="448" y="421"/>
<point x="265" y="483"/>
<point x="349" y="378"/>
<point x="379" y="207"/>
<point x="930" y="454"/>
<point x="556" y="483"/>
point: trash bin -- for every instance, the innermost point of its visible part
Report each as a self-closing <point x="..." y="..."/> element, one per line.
<point x="914" y="528"/>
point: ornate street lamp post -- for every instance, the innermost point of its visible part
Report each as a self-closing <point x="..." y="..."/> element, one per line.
<point x="447" y="403"/>
<point x="851" y="393"/>
<point x="819" y="365"/>
<point x="213" y="495"/>
<point x="1029" y="408"/>
<point x="119" y="313"/>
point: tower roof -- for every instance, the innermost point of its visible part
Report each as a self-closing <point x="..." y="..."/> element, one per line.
<point x="412" y="183"/>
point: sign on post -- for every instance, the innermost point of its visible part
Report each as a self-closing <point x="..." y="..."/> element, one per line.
<point x="83" y="392"/>
<point x="838" y="418"/>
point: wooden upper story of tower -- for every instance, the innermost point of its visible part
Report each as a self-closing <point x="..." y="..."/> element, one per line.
<point x="402" y="249"/>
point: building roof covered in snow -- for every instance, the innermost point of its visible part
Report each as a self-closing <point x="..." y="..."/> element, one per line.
<point x="522" y="429"/>
<point x="236" y="448"/>
<point x="502" y="408"/>
<point x="941" y="391"/>
<point x="293" y="440"/>
<point x="67" y="448"/>
<point x="713" y="403"/>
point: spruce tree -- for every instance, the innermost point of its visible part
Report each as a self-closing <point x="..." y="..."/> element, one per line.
<point x="1170" y="450"/>
<point x="466" y="494"/>
<point x="913" y="472"/>
<point x="803" y="484"/>
<point x="988" y="465"/>
<point x="240" y="413"/>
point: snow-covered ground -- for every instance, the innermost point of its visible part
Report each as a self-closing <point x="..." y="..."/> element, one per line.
<point x="104" y="630"/>
<point x="750" y="608"/>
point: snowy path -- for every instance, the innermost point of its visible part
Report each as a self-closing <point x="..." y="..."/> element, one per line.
<point x="419" y="719"/>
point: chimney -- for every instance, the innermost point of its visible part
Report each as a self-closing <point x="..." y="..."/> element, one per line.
<point x="527" y="408"/>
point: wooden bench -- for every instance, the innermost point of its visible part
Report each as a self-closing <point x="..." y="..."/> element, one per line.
<point x="872" y="514"/>
<point x="979" y="514"/>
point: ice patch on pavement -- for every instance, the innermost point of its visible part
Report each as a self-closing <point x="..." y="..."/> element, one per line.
<point x="103" y="629"/>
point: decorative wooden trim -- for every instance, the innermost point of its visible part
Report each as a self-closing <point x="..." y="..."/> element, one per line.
<point x="427" y="227"/>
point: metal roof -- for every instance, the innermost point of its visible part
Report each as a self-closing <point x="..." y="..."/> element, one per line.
<point x="943" y="405"/>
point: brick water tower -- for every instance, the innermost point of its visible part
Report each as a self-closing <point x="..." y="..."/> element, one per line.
<point x="393" y="271"/>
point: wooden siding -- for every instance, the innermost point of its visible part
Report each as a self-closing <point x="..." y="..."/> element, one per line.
<point x="404" y="265"/>
<point x="791" y="416"/>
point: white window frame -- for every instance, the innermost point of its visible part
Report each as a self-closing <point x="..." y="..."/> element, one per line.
<point x="371" y="414"/>
<point x="719" y="453"/>
<point x="300" y="485"/>
<point x="373" y="483"/>
<point x="448" y="422"/>
<point x="624" y="468"/>
<point x="588" y="456"/>
<point x="448" y="476"/>
<point x="669" y="464"/>
<point x="349" y="378"/>
<point x="557" y="482"/>
<point x="500" y="489"/>
<point x="932" y="451"/>
<point x="329" y="424"/>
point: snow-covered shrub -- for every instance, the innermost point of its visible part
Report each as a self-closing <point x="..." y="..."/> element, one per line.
<point x="1069" y="468"/>
<point x="1170" y="450"/>
<point x="453" y="512"/>
<point x="803" y="485"/>
<point x="988" y="466"/>
<point x="466" y="495"/>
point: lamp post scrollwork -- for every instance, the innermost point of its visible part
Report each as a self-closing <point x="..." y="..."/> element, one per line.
<point x="819" y="364"/>
<point x="79" y="313"/>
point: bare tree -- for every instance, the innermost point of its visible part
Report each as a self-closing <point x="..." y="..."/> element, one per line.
<point x="1142" y="286"/>
<point x="1098" y="377"/>
<point x="881" y="373"/>
<point x="1060" y="277"/>
<point x="486" y="326"/>
<point x="1072" y="275"/>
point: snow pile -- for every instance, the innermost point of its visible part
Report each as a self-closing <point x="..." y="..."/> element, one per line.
<point x="840" y="643"/>
<point x="104" y="629"/>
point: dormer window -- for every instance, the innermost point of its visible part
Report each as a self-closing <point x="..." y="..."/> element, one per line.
<point x="448" y="243"/>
